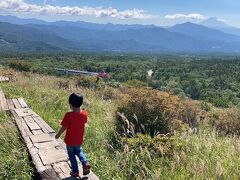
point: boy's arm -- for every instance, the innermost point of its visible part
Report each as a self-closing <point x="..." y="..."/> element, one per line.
<point x="60" y="132"/>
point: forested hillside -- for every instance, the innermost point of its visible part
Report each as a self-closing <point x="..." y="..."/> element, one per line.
<point x="209" y="78"/>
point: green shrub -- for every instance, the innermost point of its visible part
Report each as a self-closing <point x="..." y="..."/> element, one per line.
<point x="160" y="145"/>
<point x="113" y="83"/>
<point x="134" y="83"/>
<point x="205" y="106"/>
<point x="148" y="111"/>
<point x="20" y="66"/>
<point x="226" y="121"/>
<point x="109" y="93"/>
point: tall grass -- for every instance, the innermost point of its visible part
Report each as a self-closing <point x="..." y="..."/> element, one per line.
<point x="206" y="155"/>
<point x="14" y="161"/>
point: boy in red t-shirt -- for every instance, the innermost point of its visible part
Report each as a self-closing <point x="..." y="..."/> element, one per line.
<point x="74" y="123"/>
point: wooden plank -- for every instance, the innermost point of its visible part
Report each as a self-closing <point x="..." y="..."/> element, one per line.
<point x="31" y="123"/>
<point x="51" y="144"/>
<point x="5" y="106"/>
<point x="58" y="170"/>
<point x="45" y="127"/>
<point x="41" y="126"/>
<point x="63" y="169"/>
<point x="35" y="156"/>
<point x="22" y="103"/>
<point x="14" y="114"/>
<point x="10" y="104"/>
<point x="52" y="155"/>
<point x="33" y="152"/>
<point x="16" y="104"/>
<point x="21" y="123"/>
<point x="25" y="112"/>
<point x="3" y="101"/>
<point x="49" y="174"/>
<point x="61" y="143"/>
<point x="1" y="105"/>
<point x="22" y="126"/>
<point x="41" y="138"/>
<point x="36" y="132"/>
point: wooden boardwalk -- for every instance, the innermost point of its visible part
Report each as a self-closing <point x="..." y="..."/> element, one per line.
<point x="3" y="102"/>
<point x="48" y="154"/>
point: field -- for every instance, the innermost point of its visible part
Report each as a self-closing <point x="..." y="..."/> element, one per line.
<point x="208" y="151"/>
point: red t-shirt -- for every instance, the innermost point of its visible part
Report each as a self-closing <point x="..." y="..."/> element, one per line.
<point x="74" y="122"/>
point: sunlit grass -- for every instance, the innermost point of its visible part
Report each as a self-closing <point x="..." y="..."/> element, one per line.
<point x="207" y="155"/>
<point x="14" y="161"/>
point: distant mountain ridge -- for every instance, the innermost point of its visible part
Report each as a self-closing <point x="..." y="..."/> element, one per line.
<point x="200" y="31"/>
<point x="37" y="35"/>
<point x="80" y="24"/>
<point x="216" y="23"/>
<point x="23" y="38"/>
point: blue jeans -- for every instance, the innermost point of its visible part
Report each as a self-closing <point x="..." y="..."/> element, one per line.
<point x="74" y="151"/>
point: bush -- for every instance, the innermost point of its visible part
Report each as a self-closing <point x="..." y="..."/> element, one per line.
<point x="10" y="73"/>
<point x="191" y="112"/>
<point x="160" y="145"/>
<point x="113" y="83"/>
<point x="86" y="82"/>
<point x="226" y="121"/>
<point x="109" y="93"/>
<point x="206" y="106"/>
<point x="148" y="111"/>
<point x="134" y="83"/>
<point x="20" y="66"/>
<point x="63" y="84"/>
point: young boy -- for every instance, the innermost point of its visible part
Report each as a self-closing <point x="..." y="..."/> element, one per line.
<point x="74" y="123"/>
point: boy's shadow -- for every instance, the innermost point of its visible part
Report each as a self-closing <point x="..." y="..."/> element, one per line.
<point x="73" y="178"/>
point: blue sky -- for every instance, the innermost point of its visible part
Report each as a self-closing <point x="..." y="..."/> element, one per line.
<point x="159" y="12"/>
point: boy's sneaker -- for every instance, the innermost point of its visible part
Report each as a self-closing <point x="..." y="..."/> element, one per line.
<point x="74" y="174"/>
<point x="86" y="169"/>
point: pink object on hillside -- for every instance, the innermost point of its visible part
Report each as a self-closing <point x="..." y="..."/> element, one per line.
<point x="102" y="75"/>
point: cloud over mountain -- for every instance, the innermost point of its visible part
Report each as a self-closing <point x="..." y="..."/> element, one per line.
<point x="186" y="16"/>
<point x="24" y="7"/>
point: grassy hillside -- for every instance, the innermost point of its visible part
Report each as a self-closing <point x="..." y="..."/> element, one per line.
<point x="205" y="154"/>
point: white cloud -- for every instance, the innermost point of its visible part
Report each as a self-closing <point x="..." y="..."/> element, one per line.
<point x="186" y="16"/>
<point x="222" y="20"/>
<point x="22" y="6"/>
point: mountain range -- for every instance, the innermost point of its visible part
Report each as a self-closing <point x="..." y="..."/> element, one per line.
<point x="26" y="35"/>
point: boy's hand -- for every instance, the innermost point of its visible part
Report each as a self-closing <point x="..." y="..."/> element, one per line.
<point x="60" y="132"/>
<point x="57" y="136"/>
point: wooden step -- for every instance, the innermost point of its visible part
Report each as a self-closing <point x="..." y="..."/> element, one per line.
<point x="48" y="154"/>
<point x="3" y="102"/>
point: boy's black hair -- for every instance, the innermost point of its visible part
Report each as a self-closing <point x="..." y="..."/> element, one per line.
<point x="75" y="100"/>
